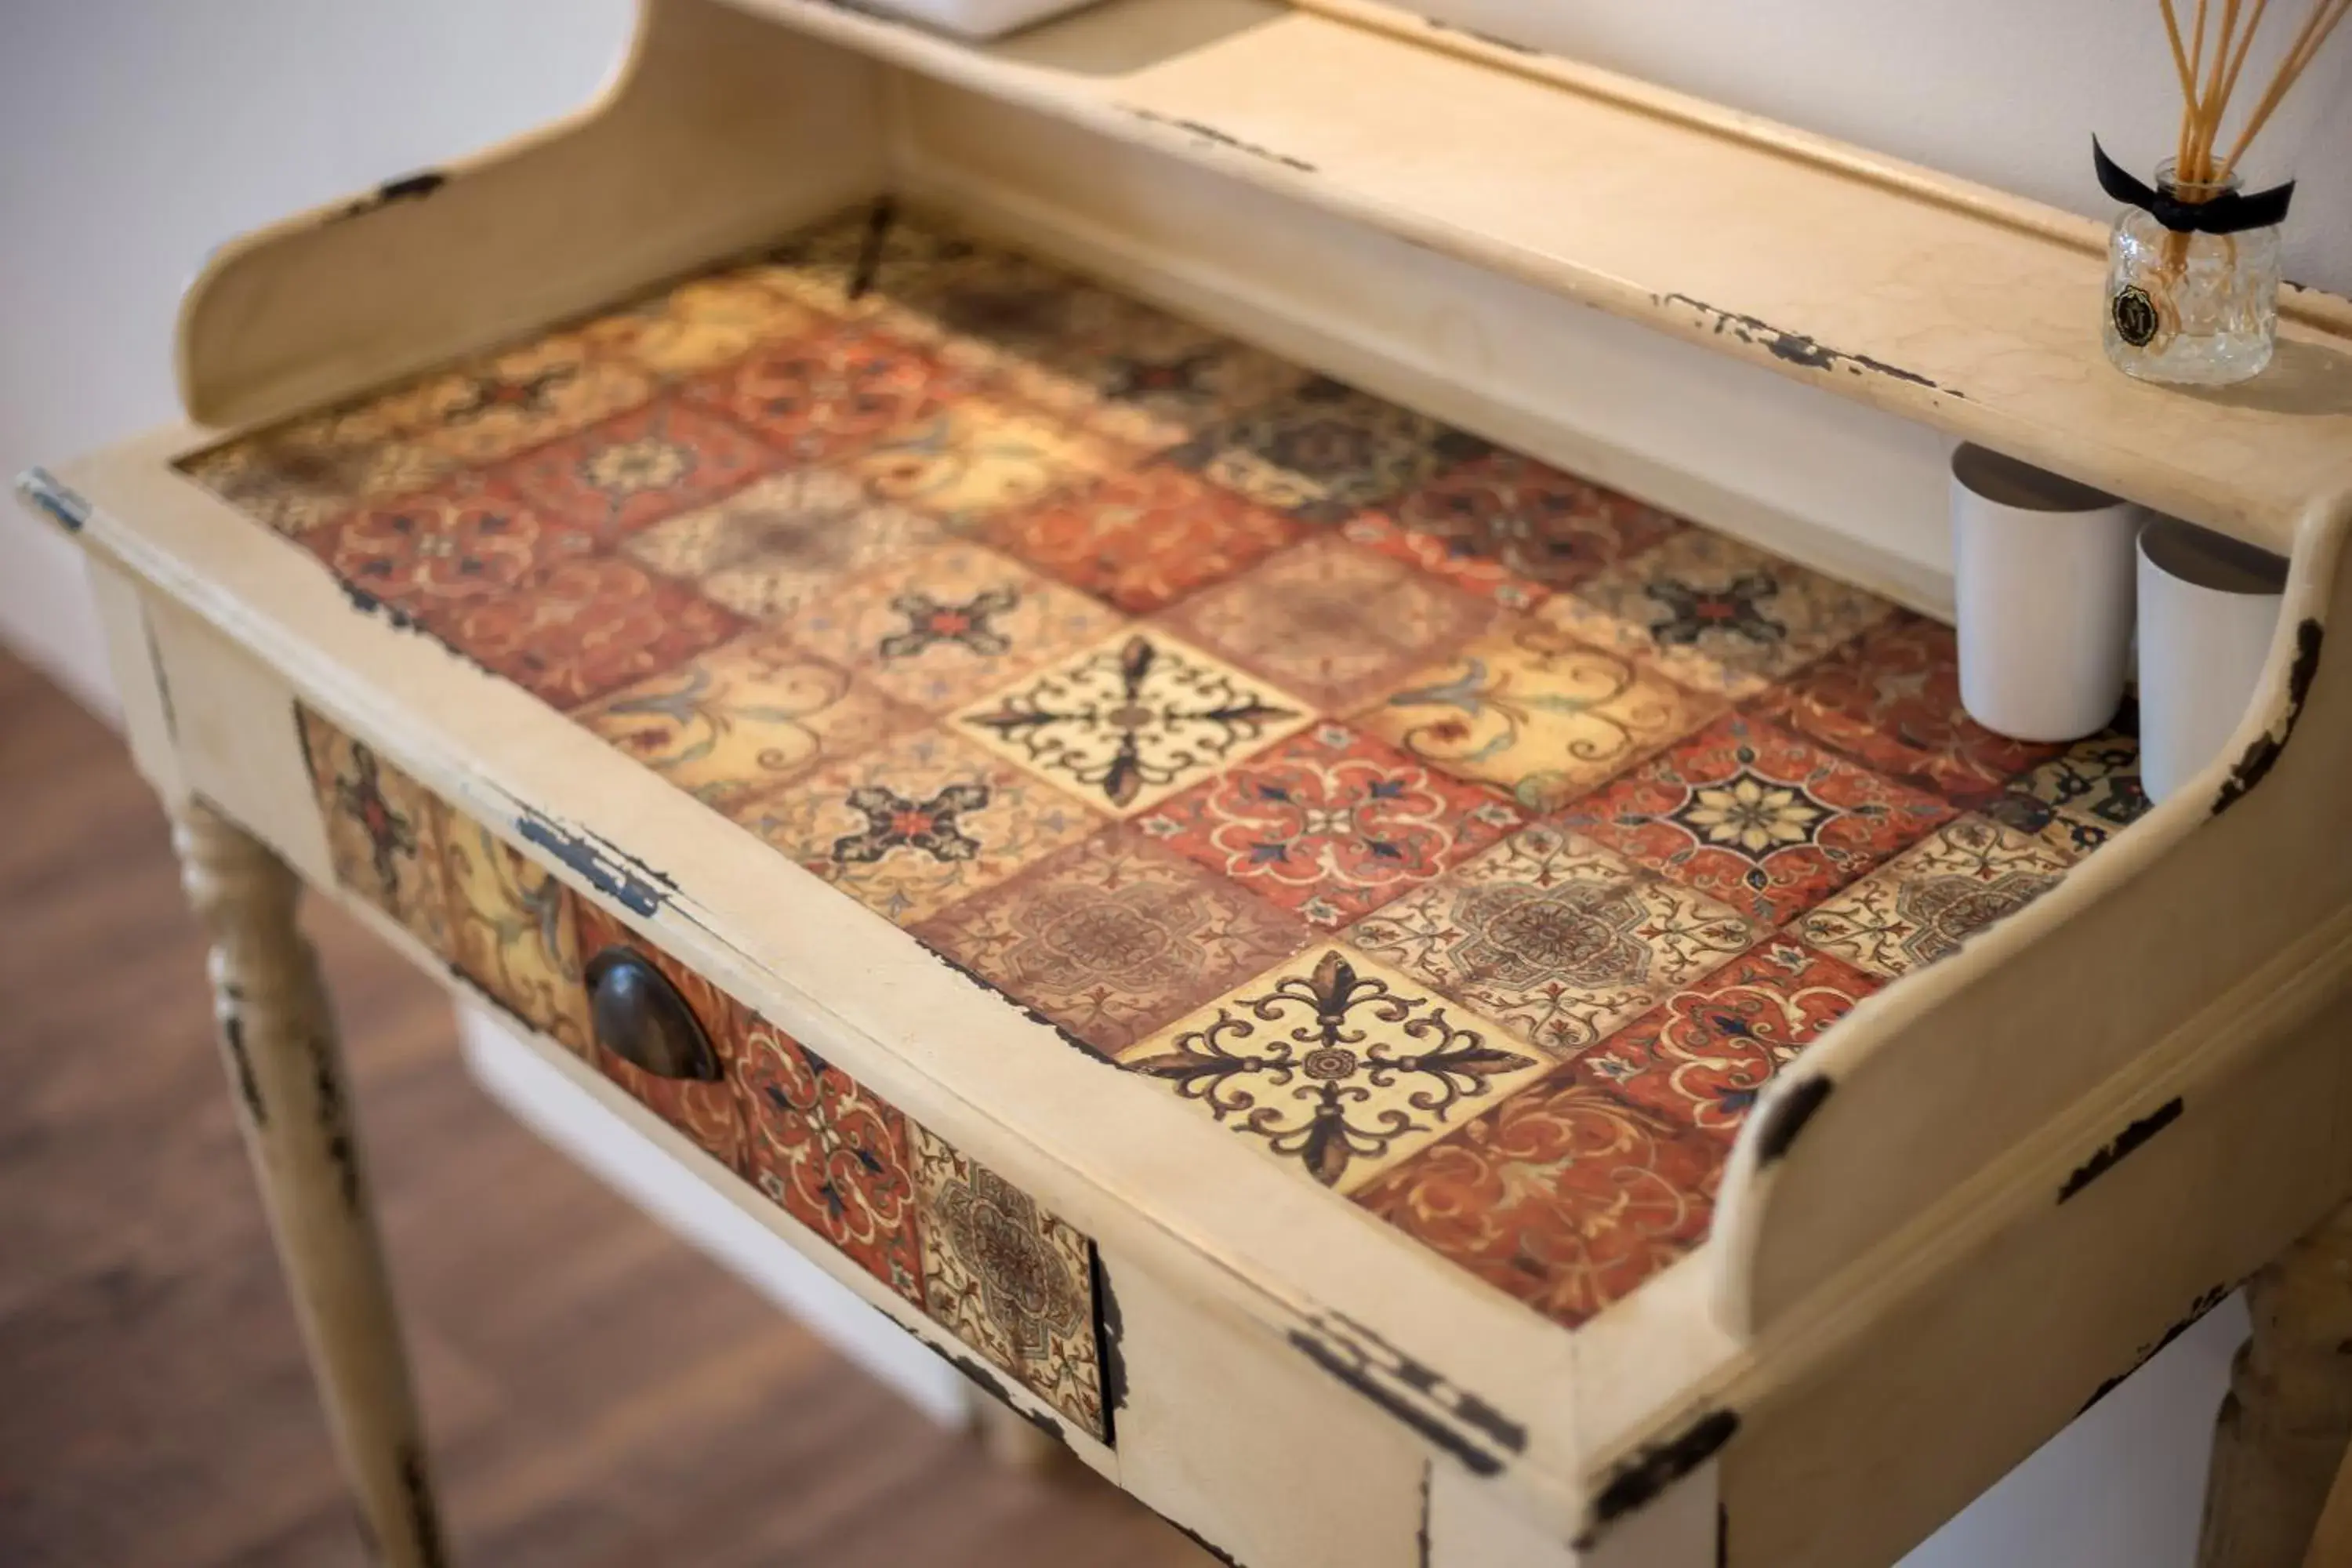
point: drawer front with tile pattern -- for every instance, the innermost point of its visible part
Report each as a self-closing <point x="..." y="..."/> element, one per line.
<point x="952" y="1238"/>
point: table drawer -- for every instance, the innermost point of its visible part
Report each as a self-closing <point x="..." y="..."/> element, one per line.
<point x="952" y="1239"/>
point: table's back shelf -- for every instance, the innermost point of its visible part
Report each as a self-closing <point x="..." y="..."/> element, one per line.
<point x="1925" y="296"/>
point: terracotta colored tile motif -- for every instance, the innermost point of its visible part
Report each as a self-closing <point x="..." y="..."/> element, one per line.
<point x="938" y="1229"/>
<point x="1472" y="838"/>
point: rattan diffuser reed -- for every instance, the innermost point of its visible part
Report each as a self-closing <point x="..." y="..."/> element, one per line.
<point x="2209" y="69"/>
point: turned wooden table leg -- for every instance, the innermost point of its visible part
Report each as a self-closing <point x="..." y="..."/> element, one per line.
<point x="2284" y="1423"/>
<point x="285" y="1070"/>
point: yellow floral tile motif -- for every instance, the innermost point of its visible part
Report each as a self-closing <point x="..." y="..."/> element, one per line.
<point x="702" y="323"/>
<point x="1337" y="1062"/>
<point x="1009" y="1280"/>
<point x="744" y="718"/>
<point x="950" y="624"/>
<point x="502" y="402"/>
<point x="1134" y="720"/>
<point x="512" y="931"/>
<point x="384" y="831"/>
<point x="979" y="458"/>
<point x="302" y="475"/>
<point x="890" y="253"/>
<point x="1921" y="905"/>
<point x="918" y="825"/>
<point x="1716" y="614"/>
<point x="1555" y="938"/>
<point x="770" y="549"/>
<point x="1536" y="713"/>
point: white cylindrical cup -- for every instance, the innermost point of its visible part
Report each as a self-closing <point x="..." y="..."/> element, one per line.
<point x="2043" y="575"/>
<point x="2209" y="606"/>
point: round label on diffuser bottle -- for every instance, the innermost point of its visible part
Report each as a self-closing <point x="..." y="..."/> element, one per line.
<point x="2135" y="314"/>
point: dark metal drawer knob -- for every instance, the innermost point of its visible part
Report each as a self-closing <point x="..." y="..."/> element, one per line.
<point x="639" y="1016"/>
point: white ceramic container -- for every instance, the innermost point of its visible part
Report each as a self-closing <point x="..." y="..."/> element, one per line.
<point x="975" y="18"/>
<point x="2043" y="574"/>
<point x="2208" y="607"/>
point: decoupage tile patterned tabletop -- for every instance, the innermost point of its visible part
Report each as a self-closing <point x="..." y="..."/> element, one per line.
<point x="1471" y="839"/>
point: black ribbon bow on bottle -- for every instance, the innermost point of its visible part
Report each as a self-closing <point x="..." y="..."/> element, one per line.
<point x="2231" y="212"/>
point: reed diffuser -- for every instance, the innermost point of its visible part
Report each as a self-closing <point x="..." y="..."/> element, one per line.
<point x="2193" y="262"/>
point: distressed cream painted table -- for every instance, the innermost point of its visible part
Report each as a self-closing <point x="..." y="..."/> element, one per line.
<point x="1408" y="1006"/>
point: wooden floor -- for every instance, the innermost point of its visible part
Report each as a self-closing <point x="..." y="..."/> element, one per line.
<point x="598" y="1396"/>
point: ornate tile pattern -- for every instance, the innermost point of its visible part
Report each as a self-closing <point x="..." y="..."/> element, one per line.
<point x="1531" y="520"/>
<point x="1337" y="1062"/>
<point x="1923" y="904"/>
<point x="1144" y="538"/>
<point x="771" y="549"/>
<point x="1467" y="837"/>
<point x="1564" y="1196"/>
<point x="918" y="825"/>
<point x="513" y="931"/>
<point x="1331" y="621"/>
<point x="1755" y="817"/>
<point x="1555" y="937"/>
<point x="950" y="624"/>
<point x="1716" y="614"/>
<point x="637" y="467"/>
<point x="384" y="831"/>
<point x="1324" y="450"/>
<point x="2082" y="797"/>
<point x="1892" y="701"/>
<point x="1132" y="721"/>
<point x="830" y="1154"/>
<point x="1699" y="1058"/>
<point x="744" y="718"/>
<point x="1114" y="937"/>
<point x="1009" y="1280"/>
<point x="1537" y="714"/>
<point x="1330" y="824"/>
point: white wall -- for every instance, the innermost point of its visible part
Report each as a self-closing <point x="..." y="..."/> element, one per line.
<point x="2008" y="92"/>
<point x="135" y="134"/>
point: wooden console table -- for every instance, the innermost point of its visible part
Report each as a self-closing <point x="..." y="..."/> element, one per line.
<point x="1407" y="1006"/>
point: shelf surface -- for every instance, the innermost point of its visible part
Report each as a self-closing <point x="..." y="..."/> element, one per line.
<point x="1976" y="313"/>
<point x="1470" y="839"/>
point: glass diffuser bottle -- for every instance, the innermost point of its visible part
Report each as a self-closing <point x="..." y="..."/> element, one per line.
<point x="2189" y="307"/>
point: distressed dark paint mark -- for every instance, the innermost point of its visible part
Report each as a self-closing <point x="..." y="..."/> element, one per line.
<point x="1477" y="1460"/>
<point x="2112" y="1154"/>
<point x="1489" y="39"/>
<point x="1722" y="1536"/>
<point x="1798" y="349"/>
<point x="1634" y="1484"/>
<point x="1421" y="1532"/>
<point x="2197" y="1310"/>
<point x="1790" y="1109"/>
<point x="367" y="603"/>
<point x="1227" y="140"/>
<point x="406" y="188"/>
<point x="42" y="492"/>
<point x="870" y="249"/>
<point x="1024" y="1008"/>
<point x="1414" y="1393"/>
<point x="335" y="1119"/>
<point x="2263" y="754"/>
<point x="619" y="876"/>
<point x="240" y="1059"/>
<point x="163" y="681"/>
<point x="1111" y="1353"/>
<point x="423" y="1518"/>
